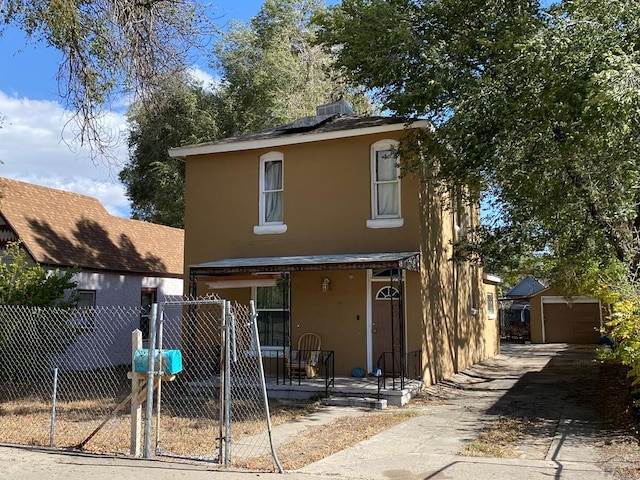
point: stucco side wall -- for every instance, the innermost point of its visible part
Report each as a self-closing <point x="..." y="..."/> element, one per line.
<point x="535" y="308"/>
<point x="454" y="337"/>
<point x="125" y="290"/>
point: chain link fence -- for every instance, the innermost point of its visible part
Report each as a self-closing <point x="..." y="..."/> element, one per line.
<point x="64" y="381"/>
<point x="62" y="371"/>
<point x="216" y="409"/>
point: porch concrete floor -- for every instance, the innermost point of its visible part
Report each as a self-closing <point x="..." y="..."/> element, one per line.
<point x="367" y="387"/>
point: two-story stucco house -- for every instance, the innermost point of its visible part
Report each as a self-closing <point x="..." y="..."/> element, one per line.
<point x="315" y="223"/>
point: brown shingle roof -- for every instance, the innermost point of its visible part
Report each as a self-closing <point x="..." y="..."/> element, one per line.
<point x="62" y="229"/>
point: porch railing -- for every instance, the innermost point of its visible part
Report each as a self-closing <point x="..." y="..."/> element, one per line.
<point x="399" y="368"/>
<point x="276" y="364"/>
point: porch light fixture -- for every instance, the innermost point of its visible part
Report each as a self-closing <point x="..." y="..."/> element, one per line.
<point x="325" y="284"/>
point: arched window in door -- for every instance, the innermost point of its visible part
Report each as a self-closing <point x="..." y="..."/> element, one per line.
<point x="388" y="293"/>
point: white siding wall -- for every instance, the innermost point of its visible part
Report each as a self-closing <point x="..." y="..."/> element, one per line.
<point x="110" y="341"/>
<point x="125" y="290"/>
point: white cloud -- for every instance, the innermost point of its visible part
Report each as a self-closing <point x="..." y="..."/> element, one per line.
<point x="208" y="81"/>
<point x="37" y="145"/>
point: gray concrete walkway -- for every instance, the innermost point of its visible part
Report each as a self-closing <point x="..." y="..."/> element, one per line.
<point x="546" y="383"/>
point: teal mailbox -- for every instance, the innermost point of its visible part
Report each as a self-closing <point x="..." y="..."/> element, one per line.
<point x="171" y="361"/>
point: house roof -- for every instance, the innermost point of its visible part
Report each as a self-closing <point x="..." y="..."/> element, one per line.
<point x="525" y="288"/>
<point x="405" y="260"/>
<point x="61" y="228"/>
<point x="313" y="129"/>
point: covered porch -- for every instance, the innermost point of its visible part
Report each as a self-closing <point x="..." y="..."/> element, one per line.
<point x="357" y="305"/>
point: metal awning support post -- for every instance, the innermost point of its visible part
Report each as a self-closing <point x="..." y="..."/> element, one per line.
<point x="401" y="323"/>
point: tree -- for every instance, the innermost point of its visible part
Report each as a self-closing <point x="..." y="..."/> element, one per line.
<point x="110" y="49"/>
<point x="182" y="113"/>
<point x="34" y="323"/>
<point x="272" y="72"/>
<point x="540" y="107"/>
<point x="22" y="283"/>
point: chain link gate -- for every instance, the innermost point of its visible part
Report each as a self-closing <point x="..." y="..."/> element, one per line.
<point x="216" y="409"/>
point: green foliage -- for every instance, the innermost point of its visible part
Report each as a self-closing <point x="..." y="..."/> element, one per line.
<point x="181" y="113"/>
<point x="34" y="323"/>
<point x="109" y="48"/>
<point x="22" y="283"/>
<point x="272" y="71"/>
<point x="538" y="106"/>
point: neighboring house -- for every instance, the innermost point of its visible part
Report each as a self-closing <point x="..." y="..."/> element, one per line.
<point x="314" y="222"/>
<point x="122" y="262"/>
<point x="556" y="318"/>
<point x="515" y="314"/>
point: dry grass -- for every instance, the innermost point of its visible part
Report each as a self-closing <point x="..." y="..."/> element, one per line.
<point x="27" y="422"/>
<point x="319" y="442"/>
<point x="499" y="439"/>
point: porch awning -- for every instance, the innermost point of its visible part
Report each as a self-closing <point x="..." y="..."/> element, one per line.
<point x="346" y="261"/>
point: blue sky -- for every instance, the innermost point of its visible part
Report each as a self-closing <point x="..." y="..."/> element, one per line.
<point x="32" y="145"/>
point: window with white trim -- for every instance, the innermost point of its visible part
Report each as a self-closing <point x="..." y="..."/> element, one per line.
<point x="272" y="307"/>
<point x="491" y="306"/>
<point x="86" y="298"/>
<point x="385" y="186"/>
<point x="271" y="203"/>
<point x="388" y="293"/>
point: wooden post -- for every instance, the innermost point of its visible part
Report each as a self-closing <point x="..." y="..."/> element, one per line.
<point x="136" y="401"/>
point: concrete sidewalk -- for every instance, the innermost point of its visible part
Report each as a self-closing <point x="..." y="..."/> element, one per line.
<point x="545" y="382"/>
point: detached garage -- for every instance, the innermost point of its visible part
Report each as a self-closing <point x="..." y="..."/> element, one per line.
<point x="556" y="319"/>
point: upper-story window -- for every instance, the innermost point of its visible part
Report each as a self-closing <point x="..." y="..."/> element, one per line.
<point x="385" y="186"/>
<point x="271" y="203"/>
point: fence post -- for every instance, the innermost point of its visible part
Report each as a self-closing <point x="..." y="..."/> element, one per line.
<point x="136" y="404"/>
<point x="150" y="381"/>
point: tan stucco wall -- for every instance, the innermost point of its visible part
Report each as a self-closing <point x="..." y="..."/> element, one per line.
<point x="453" y="337"/>
<point x="339" y="316"/>
<point x="535" y="307"/>
<point x="222" y="204"/>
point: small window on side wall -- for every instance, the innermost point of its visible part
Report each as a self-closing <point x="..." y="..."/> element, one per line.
<point x="271" y="202"/>
<point x="385" y="186"/>
<point x="491" y="306"/>
<point x="86" y="298"/>
<point x="86" y="310"/>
